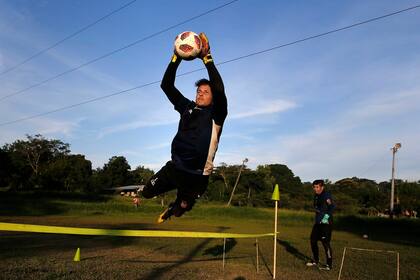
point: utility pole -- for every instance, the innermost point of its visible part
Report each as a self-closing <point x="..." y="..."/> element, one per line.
<point x="394" y="150"/>
<point x="237" y="180"/>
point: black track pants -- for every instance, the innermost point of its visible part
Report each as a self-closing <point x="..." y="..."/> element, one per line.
<point x="321" y="232"/>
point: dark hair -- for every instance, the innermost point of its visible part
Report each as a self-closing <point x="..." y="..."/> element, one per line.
<point x="318" y="182"/>
<point x="202" y="82"/>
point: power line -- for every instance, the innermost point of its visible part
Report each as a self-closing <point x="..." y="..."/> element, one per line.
<point x="117" y="50"/>
<point x="95" y="99"/>
<point x="374" y="164"/>
<point x="80" y="103"/>
<point x="67" y="37"/>
<point x="323" y="34"/>
<point x="202" y="68"/>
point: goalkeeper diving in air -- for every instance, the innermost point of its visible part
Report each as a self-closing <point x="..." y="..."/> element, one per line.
<point x="195" y="143"/>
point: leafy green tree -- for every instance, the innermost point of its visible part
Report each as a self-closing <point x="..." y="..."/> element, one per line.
<point x="115" y="173"/>
<point x="70" y="173"/>
<point x="408" y="194"/>
<point x="97" y="180"/>
<point x="292" y="193"/>
<point x="221" y="182"/>
<point x="216" y="189"/>
<point x="141" y="175"/>
<point x="287" y="181"/>
<point x="6" y="168"/>
<point x="30" y="158"/>
<point x="39" y="151"/>
<point x="222" y="174"/>
<point x="365" y="194"/>
<point x="257" y="187"/>
<point x="40" y="163"/>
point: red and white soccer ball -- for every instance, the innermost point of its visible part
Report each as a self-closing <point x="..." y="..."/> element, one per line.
<point x="188" y="45"/>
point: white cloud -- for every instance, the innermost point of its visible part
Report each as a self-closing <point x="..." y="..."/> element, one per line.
<point x="239" y="136"/>
<point x="158" y="146"/>
<point x="135" y="125"/>
<point x="265" y="107"/>
<point x="346" y="145"/>
<point x="106" y="80"/>
<point x="53" y="126"/>
<point x="388" y="104"/>
<point x="50" y="128"/>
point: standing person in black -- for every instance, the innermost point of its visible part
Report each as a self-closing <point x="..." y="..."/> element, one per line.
<point x="194" y="145"/>
<point x="321" y="231"/>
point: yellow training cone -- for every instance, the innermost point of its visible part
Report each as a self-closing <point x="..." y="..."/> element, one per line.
<point x="276" y="193"/>
<point x="77" y="256"/>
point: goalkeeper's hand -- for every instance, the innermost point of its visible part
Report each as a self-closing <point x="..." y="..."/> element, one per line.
<point x="205" y="48"/>
<point x="325" y="219"/>
<point x="175" y="57"/>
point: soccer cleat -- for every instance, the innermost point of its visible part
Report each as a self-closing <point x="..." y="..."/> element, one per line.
<point x="326" y="267"/>
<point x="311" y="263"/>
<point x="166" y="214"/>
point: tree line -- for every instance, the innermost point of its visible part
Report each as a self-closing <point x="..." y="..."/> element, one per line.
<point x="47" y="165"/>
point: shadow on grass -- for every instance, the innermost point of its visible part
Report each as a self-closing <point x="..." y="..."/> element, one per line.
<point x="399" y="231"/>
<point x="159" y="273"/>
<point x="265" y="262"/>
<point x="37" y="244"/>
<point x="41" y="203"/>
<point x="218" y="249"/>
<point x="30" y="207"/>
<point x="21" y="244"/>
<point x="292" y="250"/>
<point x="195" y="260"/>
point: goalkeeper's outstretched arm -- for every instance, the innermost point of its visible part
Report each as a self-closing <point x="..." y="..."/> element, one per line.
<point x="168" y="85"/>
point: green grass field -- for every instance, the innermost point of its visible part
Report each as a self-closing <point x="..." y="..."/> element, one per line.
<point x="50" y="256"/>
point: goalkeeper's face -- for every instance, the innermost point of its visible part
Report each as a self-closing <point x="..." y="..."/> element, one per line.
<point x="318" y="189"/>
<point x="204" y="96"/>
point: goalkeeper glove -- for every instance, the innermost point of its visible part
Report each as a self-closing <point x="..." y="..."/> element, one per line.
<point x="205" y="48"/>
<point x="175" y="57"/>
<point x="325" y="219"/>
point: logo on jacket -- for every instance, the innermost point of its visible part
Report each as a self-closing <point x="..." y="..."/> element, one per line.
<point x="153" y="181"/>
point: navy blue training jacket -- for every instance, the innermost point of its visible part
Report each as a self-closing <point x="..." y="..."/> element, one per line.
<point x="195" y="144"/>
<point x="323" y="204"/>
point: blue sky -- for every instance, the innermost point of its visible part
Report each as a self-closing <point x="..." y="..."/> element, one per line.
<point x="331" y="107"/>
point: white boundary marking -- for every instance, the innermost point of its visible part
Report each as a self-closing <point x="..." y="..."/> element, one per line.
<point x="370" y="250"/>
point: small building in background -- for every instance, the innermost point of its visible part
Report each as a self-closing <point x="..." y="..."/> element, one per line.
<point x="132" y="190"/>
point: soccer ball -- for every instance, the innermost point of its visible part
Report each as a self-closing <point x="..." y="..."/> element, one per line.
<point x="188" y="45"/>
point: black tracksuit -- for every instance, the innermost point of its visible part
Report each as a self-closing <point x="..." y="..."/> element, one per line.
<point x="323" y="204"/>
<point x="199" y="129"/>
<point x="195" y="143"/>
